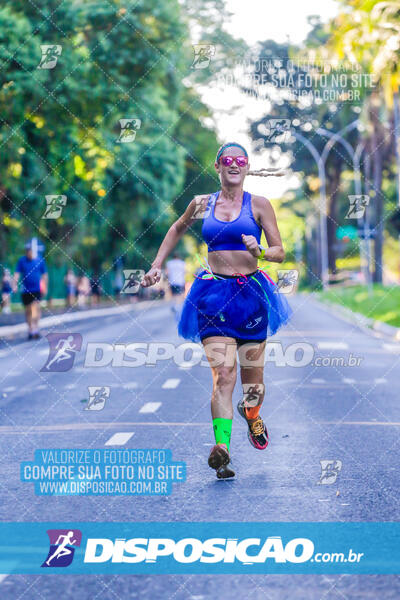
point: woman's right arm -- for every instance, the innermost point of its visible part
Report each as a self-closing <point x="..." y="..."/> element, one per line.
<point x="196" y="207"/>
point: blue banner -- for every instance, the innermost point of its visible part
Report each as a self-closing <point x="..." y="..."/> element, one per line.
<point x="146" y="548"/>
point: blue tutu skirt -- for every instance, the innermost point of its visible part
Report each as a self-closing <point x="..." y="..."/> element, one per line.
<point x="245" y="308"/>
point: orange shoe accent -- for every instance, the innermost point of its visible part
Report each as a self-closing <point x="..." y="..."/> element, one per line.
<point x="252" y="413"/>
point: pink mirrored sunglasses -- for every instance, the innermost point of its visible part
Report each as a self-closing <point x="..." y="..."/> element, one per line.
<point x="241" y="161"/>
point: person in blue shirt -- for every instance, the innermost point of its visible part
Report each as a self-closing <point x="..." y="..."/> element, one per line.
<point x="34" y="281"/>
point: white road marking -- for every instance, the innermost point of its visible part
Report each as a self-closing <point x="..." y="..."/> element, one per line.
<point x="391" y="347"/>
<point x="119" y="439"/>
<point x="317" y="380"/>
<point x="41" y="387"/>
<point x="10" y="388"/>
<point x="150" y="407"/>
<point x="391" y="423"/>
<point x="170" y="384"/>
<point x="70" y="386"/>
<point x="53" y="429"/>
<point x="332" y="345"/>
<point x="3" y="576"/>
<point x="131" y="385"/>
<point x="379" y="380"/>
<point x="348" y="380"/>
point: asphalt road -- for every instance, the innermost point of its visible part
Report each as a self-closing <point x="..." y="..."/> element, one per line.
<point x="348" y="414"/>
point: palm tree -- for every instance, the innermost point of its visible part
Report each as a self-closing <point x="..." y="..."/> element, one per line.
<point x="367" y="33"/>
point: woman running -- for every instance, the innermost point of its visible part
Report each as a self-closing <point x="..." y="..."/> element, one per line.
<point x="232" y="305"/>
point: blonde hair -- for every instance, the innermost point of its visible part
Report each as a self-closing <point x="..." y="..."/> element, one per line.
<point x="267" y="173"/>
<point x="271" y="172"/>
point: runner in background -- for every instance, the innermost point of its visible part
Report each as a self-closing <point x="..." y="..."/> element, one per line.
<point x="176" y="270"/>
<point x="6" y="290"/>
<point x="32" y="270"/>
<point x="118" y="282"/>
<point x="95" y="289"/>
<point x="83" y="290"/>
<point x="70" y="284"/>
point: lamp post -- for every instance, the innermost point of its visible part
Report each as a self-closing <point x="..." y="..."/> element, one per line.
<point x="320" y="159"/>
<point x="323" y="232"/>
<point x="363" y="224"/>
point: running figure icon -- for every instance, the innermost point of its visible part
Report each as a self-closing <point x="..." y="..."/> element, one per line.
<point x="64" y="349"/>
<point x="62" y="549"/>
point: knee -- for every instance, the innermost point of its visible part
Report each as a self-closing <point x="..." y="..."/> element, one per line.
<point x="225" y="378"/>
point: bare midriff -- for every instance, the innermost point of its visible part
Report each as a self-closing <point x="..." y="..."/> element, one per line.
<point x="228" y="262"/>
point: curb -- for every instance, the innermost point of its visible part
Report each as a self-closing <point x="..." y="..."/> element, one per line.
<point x="361" y="320"/>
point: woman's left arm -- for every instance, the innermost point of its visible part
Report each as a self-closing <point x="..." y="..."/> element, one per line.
<point x="265" y="216"/>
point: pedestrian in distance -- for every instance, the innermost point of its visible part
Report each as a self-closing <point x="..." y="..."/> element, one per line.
<point x="6" y="290"/>
<point x="95" y="289"/>
<point x="31" y="270"/>
<point x="70" y="287"/>
<point x="176" y="271"/>
<point x="83" y="290"/>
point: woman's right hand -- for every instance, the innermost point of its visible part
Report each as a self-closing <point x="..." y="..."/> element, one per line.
<point x="153" y="276"/>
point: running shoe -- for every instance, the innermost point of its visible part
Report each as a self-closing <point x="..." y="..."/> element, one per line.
<point x="257" y="432"/>
<point x="219" y="457"/>
<point x="226" y="471"/>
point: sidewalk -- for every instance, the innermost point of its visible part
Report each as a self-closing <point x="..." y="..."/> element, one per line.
<point x="19" y="316"/>
<point x="13" y="326"/>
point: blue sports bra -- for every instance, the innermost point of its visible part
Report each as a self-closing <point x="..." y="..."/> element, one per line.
<point x="227" y="235"/>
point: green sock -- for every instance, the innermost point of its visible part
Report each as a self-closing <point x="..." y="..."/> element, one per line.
<point x="222" y="431"/>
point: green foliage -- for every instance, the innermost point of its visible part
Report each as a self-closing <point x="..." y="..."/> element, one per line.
<point x="119" y="60"/>
<point x="382" y="304"/>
